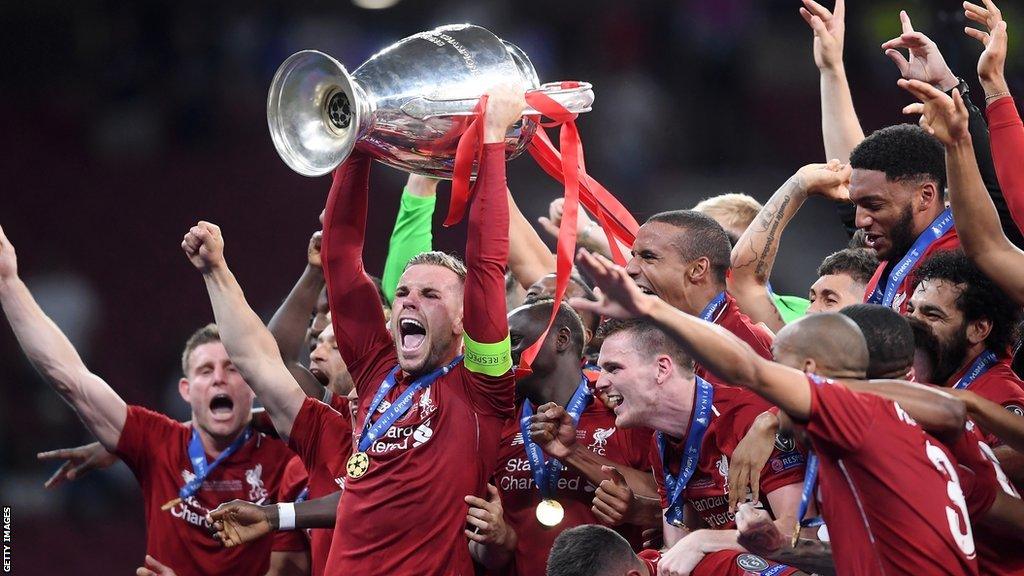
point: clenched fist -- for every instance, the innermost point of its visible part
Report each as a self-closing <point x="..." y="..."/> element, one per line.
<point x="204" y="246"/>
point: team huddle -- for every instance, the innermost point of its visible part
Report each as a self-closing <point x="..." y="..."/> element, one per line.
<point x="671" y="416"/>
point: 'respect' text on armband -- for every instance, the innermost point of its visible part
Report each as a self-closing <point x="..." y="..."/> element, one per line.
<point x="488" y="359"/>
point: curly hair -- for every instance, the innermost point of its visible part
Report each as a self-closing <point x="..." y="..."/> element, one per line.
<point x="700" y="236"/>
<point x="859" y="263"/>
<point x="980" y="298"/>
<point x="905" y="153"/>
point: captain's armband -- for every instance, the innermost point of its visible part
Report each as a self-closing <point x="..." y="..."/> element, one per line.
<point x="488" y="359"/>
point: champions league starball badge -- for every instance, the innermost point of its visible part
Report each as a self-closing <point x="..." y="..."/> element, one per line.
<point x="357" y="465"/>
<point x="550" y="512"/>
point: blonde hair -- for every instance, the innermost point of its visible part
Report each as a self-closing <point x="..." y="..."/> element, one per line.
<point x="732" y="210"/>
<point x="442" y="259"/>
<point x="204" y="335"/>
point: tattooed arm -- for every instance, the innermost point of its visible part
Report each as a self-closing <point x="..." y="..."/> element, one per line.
<point x="754" y="254"/>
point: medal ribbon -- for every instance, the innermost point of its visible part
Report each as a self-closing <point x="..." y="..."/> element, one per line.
<point x="708" y="313"/>
<point x="936" y="229"/>
<point x="200" y="467"/>
<point x="981" y="364"/>
<point x="399" y="407"/>
<point x="547" y="473"/>
<point x="674" y="485"/>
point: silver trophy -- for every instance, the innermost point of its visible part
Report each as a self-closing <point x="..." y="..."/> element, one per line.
<point x="406" y="106"/>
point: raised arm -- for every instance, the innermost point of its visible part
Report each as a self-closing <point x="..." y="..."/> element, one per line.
<point x="712" y="346"/>
<point x="250" y="345"/>
<point x="529" y="258"/>
<point x="487" y="244"/>
<point x="102" y="411"/>
<point x="977" y="222"/>
<point x="290" y="322"/>
<point x="935" y="410"/>
<point x="355" y="306"/>
<point x="412" y="234"/>
<point x="754" y="254"/>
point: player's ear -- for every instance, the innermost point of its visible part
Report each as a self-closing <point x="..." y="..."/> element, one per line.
<point x="665" y="367"/>
<point x="563" y="340"/>
<point x="810" y="366"/>
<point x="183" y="388"/>
<point x="978" y="330"/>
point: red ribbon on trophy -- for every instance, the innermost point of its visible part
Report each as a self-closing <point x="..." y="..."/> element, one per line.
<point x="565" y="165"/>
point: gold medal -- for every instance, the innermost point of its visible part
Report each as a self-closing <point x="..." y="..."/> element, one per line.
<point x="550" y="512"/>
<point x="357" y="464"/>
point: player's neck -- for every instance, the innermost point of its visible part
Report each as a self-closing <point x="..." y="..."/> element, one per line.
<point x="924" y="220"/>
<point x="973" y="351"/>
<point x="215" y="444"/>
<point x="701" y="296"/>
<point x="674" y="409"/>
<point x="558" y="386"/>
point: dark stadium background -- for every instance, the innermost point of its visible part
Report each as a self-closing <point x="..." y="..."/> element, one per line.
<point x="123" y="123"/>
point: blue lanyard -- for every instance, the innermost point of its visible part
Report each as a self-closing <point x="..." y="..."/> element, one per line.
<point x="935" y="230"/>
<point x="712" y="307"/>
<point x="200" y="467"/>
<point x="674" y="485"/>
<point x="546" y="474"/>
<point x="981" y="364"/>
<point x="807" y="494"/>
<point x="399" y="407"/>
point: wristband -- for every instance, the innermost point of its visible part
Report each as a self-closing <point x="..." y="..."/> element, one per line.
<point x="996" y="96"/>
<point x="286" y="516"/>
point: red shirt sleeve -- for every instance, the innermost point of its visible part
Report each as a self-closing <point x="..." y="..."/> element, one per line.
<point x="143" y="430"/>
<point x="840" y="418"/>
<point x="485" y="317"/>
<point x="319" y="433"/>
<point x="363" y="339"/>
<point x="1006" y="133"/>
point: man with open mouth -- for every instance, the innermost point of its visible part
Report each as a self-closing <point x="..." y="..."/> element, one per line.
<point x="430" y="418"/>
<point x="185" y="470"/>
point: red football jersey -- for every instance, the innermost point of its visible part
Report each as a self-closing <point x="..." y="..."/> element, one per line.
<point x="733" y="412"/>
<point x="982" y="478"/>
<point x="948" y="241"/>
<point x="724" y="563"/>
<point x="293" y="482"/>
<point x="519" y="494"/>
<point x="155" y="448"/>
<point x="889" y="490"/>
<point x="998" y="384"/>
<point x="322" y="437"/>
<point x="730" y="318"/>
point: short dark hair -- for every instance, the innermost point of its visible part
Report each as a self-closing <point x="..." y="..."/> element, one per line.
<point x="704" y="237"/>
<point x="980" y="298"/>
<point x="591" y="550"/>
<point x="859" y="263"/>
<point x="648" y="338"/>
<point x="905" y="153"/>
<point x="567" y="316"/>
<point x="889" y="337"/>
<point x="204" y="335"/>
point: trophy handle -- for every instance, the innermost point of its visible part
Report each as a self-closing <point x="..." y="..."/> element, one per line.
<point x="577" y="97"/>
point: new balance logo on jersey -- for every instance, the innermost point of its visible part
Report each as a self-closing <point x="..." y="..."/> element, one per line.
<point x="517" y="440"/>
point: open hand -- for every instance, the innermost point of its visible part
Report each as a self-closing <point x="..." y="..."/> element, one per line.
<point x="942" y="116"/>
<point x="749" y="458"/>
<point x="992" y="63"/>
<point x="238" y="522"/>
<point x="204" y="246"/>
<point x="925" y="62"/>
<point x="488" y="517"/>
<point x="77" y="462"/>
<point x="829" y="32"/>
<point x="553" y="430"/>
<point x="618" y="296"/>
